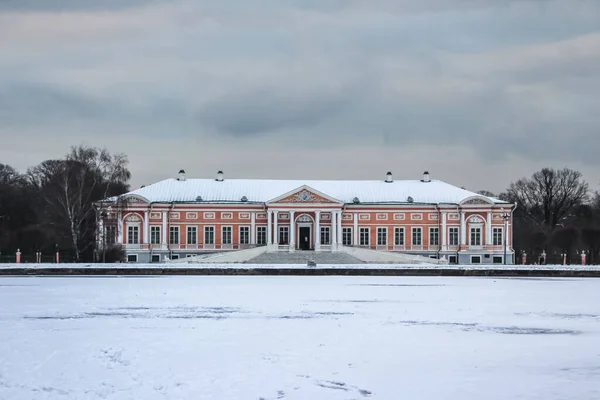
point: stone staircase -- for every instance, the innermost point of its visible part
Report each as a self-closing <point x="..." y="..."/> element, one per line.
<point x="303" y="257"/>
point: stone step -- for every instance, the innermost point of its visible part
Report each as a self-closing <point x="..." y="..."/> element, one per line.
<point x="304" y="257"/>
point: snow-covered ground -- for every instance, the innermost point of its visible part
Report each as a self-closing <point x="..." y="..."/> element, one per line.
<point x="303" y="266"/>
<point x="268" y="337"/>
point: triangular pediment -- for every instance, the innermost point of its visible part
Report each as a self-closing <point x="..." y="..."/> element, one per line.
<point x="304" y="195"/>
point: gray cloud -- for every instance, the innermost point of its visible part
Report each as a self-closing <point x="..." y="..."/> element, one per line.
<point x="501" y="79"/>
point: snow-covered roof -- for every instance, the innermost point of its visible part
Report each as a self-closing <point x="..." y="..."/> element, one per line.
<point x="264" y="190"/>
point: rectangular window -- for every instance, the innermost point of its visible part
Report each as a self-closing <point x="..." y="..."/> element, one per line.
<point x="155" y="235"/>
<point x="497" y="259"/>
<point x="381" y="236"/>
<point x="174" y="235"/>
<point x="244" y="235"/>
<point x="226" y="235"/>
<point x="347" y="236"/>
<point x="192" y="235"/>
<point x="261" y="235"/>
<point x="497" y="239"/>
<point x="175" y="257"/>
<point x="133" y="234"/>
<point x="364" y="237"/>
<point x="155" y="258"/>
<point x="132" y="258"/>
<point x="434" y="236"/>
<point x="417" y="236"/>
<point x="325" y="236"/>
<point x="475" y="259"/>
<point x="209" y="235"/>
<point x="475" y="236"/>
<point x="284" y="235"/>
<point x="398" y="236"/>
<point x="452" y="259"/>
<point x="110" y="234"/>
<point x="453" y="236"/>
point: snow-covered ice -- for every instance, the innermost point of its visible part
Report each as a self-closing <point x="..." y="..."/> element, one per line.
<point x="273" y="337"/>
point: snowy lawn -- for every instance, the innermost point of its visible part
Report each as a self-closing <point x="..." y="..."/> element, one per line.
<point x="263" y="337"/>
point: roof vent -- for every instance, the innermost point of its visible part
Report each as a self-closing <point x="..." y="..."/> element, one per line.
<point x="181" y="175"/>
<point x="388" y="177"/>
<point x="199" y="198"/>
<point x="426" y="177"/>
<point x="410" y="199"/>
<point x="219" y="177"/>
<point x="355" y="200"/>
<point x="244" y="199"/>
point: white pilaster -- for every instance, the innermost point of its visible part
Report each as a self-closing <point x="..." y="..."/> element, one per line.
<point x="164" y="228"/>
<point x="488" y="229"/>
<point x="146" y="227"/>
<point x="339" y="229"/>
<point x="317" y="230"/>
<point x="463" y="229"/>
<point x="333" y="230"/>
<point x="120" y="227"/>
<point x="355" y="230"/>
<point x="275" y="229"/>
<point x="444" y="232"/>
<point x="269" y="227"/>
<point x="252" y="228"/>
<point x="292" y="232"/>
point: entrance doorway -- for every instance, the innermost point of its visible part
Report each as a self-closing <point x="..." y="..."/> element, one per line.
<point x="304" y="237"/>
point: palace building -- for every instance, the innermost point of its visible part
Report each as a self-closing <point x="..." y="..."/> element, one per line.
<point x="182" y="217"/>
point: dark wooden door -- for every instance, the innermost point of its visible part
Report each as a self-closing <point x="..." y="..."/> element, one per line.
<point x="304" y="237"/>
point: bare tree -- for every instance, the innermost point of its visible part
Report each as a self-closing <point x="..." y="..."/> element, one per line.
<point x="549" y="196"/>
<point x="70" y="187"/>
<point x="486" y="193"/>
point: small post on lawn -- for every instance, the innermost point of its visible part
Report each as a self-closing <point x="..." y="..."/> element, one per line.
<point x="18" y="256"/>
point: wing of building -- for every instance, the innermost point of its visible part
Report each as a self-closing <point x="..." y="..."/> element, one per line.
<point x="180" y="217"/>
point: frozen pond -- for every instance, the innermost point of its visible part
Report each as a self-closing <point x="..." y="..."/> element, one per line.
<point x="242" y="337"/>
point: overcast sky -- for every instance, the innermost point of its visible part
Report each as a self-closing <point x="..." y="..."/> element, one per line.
<point x="478" y="92"/>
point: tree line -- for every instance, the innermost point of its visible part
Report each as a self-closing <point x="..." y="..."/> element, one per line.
<point x="51" y="207"/>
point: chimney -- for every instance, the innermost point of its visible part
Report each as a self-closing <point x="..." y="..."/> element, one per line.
<point x="181" y="175"/>
<point x="219" y="177"/>
<point x="426" y="177"/>
<point x="388" y="177"/>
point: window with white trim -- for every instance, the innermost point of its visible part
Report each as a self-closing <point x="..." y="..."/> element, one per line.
<point x="226" y="235"/>
<point x="381" y="236"/>
<point x="155" y="235"/>
<point x="244" y="235"/>
<point x="133" y="234"/>
<point x="209" y="235"/>
<point x="347" y="236"/>
<point x="475" y="259"/>
<point x="398" y="236"/>
<point x="174" y="235"/>
<point x="284" y="235"/>
<point x="325" y="235"/>
<point x="192" y="235"/>
<point x="497" y="239"/>
<point x="434" y="236"/>
<point x="110" y="234"/>
<point x="453" y="236"/>
<point x="364" y="239"/>
<point x="261" y="235"/>
<point x="475" y="237"/>
<point x="417" y="236"/>
<point x="132" y="258"/>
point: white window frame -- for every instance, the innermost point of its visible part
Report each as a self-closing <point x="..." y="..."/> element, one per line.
<point x="413" y="230"/>
<point x="135" y="228"/>
<point x="495" y="232"/>
<point x="450" y="236"/>
<point x="434" y="232"/>
<point x="284" y="233"/>
<point x="194" y="230"/>
<point x="361" y="235"/>
<point x="476" y="256"/>
<point x="226" y="230"/>
<point x="325" y="235"/>
<point x="399" y="236"/>
<point x="174" y="232"/>
<point x="347" y="236"/>
<point x="478" y="235"/>
<point x="209" y="229"/>
<point x="261" y="235"/>
<point x="152" y="258"/>
<point x="134" y="256"/>
<point x="453" y="259"/>
<point x="244" y="234"/>
<point x="501" y="258"/>
<point x="155" y="237"/>
<point x="382" y="233"/>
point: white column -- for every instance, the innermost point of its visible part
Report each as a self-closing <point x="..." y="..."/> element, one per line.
<point x="252" y="228"/>
<point x="120" y="227"/>
<point x="355" y="230"/>
<point x="275" y="232"/>
<point x="146" y="227"/>
<point x="333" y="230"/>
<point x="488" y="229"/>
<point x="444" y="232"/>
<point x="463" y="229"/>
<point x="164" y="228"/>
<point x="269" y="227"/>
<point x="317" y="230"/>
<point x="292" y="232"/>
<point x="339" y="229"/>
